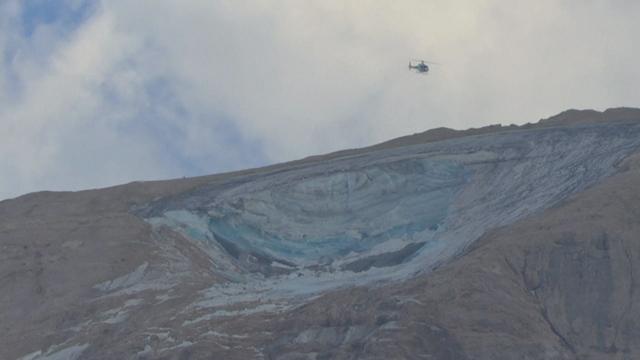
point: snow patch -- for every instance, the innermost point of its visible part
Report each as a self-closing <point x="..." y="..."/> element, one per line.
<point x="69" y="353"/>
<point x="124" y="281"/>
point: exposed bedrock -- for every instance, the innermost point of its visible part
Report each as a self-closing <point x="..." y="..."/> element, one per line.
<point x="495" y="243"/>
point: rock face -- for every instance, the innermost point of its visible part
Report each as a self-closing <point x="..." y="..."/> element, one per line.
<point x="494" y="243"/>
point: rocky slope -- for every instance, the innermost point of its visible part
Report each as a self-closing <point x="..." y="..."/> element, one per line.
<point x="492" y="243"/>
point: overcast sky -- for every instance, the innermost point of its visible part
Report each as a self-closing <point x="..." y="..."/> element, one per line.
<point x="96" y="93"/>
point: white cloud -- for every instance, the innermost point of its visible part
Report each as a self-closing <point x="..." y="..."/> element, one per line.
<point x="161" y="88"/>
<point x="60" y="131"/>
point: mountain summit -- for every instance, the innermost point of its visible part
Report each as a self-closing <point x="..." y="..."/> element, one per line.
<point x="504" y="242"/>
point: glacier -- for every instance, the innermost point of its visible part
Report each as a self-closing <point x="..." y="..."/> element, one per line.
<point x="501" y="238"/>
<point x="381" y="215"/>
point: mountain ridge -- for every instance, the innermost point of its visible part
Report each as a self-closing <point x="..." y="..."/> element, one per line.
<point x="498" y="245"/>
<point x="568" y="117"/>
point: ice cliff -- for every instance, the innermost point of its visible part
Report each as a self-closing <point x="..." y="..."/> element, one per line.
<point x="390" y="213"/>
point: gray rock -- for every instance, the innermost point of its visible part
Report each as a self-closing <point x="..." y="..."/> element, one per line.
<point x="494" y="243"/>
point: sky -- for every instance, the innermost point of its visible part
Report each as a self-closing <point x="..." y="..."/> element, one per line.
<point x="96" y="93"/>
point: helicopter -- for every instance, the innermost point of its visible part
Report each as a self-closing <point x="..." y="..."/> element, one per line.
<point x="420" y="66"/>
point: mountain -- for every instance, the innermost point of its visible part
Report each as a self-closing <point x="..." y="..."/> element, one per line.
<point x="504" y="242"/>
